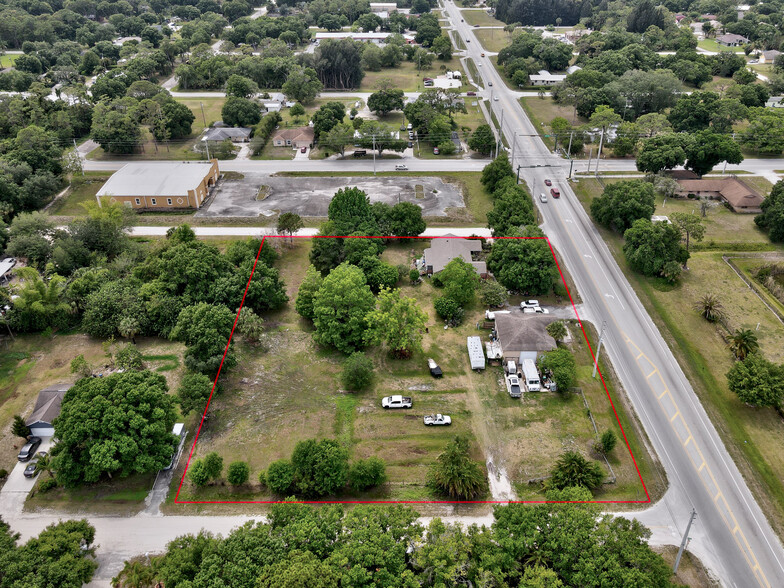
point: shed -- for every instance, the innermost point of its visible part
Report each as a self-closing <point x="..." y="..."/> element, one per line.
<point x="47" y="408"/>
<point x="475" y="353"/>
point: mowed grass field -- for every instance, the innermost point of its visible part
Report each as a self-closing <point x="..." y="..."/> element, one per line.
<point x="274" y="399"/>
<point x="493" y="39"/>
<point x="753" y="436"/>
<point x="407" y="77"/>
<point x="478" y="16"/>
<point x="543" y="110"/>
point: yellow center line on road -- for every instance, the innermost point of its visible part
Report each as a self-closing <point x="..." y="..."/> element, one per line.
<point x="744" y="547"/>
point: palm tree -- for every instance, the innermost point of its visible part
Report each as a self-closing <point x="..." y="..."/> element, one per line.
<point x="44" y="464"/>
<point x="572" y="469"/>
<point x="710" y="308"/>
<point x="743" y="343"/>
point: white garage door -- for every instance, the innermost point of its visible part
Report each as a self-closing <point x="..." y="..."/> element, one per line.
<point x="42" y="431"/>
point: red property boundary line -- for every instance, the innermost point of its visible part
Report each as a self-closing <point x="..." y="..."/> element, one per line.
<point x="582" y="328"/>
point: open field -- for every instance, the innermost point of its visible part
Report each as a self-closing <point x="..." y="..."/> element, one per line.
<point x="205" y="110"/>
<point x="474" y="72"/>
<point x="493" y="39"/>
<point x="150" y="149"/>
<point x="271" y="401"/>
<point x="81" y="191"/>
<point x="478" y="16"/>
<point x="542" y="111"/>
<point x="752" y="436"/>
<point x="406" y="77"/>
<point x="8" y="60"/>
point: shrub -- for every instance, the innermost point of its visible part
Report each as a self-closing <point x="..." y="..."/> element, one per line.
<point x="572" y="469"/>
<point x="357" y="371"/>
<point x="238" y="473"/>
<point x="129" y="358"/>
<point x="280" y="476"/>
<point x="263" y="478"/>
<point x="455" y="474"/>
<point x="320" y="467"/>
<point x="367" y="473"/>
<point x="413" y="275"/>
<point x="563" y="367"/>
<point x="447" y="148"/>
<point x="606" y="442"/>
<point x="492" y="293"/>
<point x="446" y="307"/>
<point x="198" y="473"/>
<point x="46" y="485"/>
<point x="3" y="474"/>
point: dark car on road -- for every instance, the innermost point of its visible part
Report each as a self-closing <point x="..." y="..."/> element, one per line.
<point x="28" y="450"/>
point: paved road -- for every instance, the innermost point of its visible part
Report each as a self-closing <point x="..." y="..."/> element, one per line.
<point x="731" y="534"/>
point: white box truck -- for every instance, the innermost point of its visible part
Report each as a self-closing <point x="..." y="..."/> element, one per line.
<point x="531" y="376"/>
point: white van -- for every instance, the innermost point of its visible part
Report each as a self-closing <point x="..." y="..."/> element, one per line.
<point x="401" y="167"/>
<point x="543" y="197"/>
<point x="531" y="376"/>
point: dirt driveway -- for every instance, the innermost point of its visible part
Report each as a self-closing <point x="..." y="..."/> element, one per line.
<point x="310" y="196"/>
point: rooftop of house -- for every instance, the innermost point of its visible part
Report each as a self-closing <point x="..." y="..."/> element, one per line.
<point x="524" y="332"/>
<point x="732" y="38"/>
<point x="48" y="404"/>
<point x="444" y="250"/>
<point x="734" y="191"/>
<point x="156" y="179"/>
<point x="222" y="133"/>
<point x="297" y="133"/>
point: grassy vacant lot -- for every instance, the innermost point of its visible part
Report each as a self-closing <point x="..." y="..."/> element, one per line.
<point x="8" y="60"/>
<point x="211" y="110"/>
<point x="477" y="199"/>
<point x="274" y="399"/>
<point x="180" y="150"/>
<point x="753" y="436"/>
<point x="474" y="72"/>
<point x="82" y="190"/>
<point x="406" y="77"/>
<point x="542" y="111"/>
<point x="493" y="39"/>
<point x="480" y="17"/>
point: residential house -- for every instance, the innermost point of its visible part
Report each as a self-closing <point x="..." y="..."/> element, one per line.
<point x="122" y="40"/>
<point x="768" y="56"/>
<point x="545" y="78"/>
<point x="234" y="134"/>
<point x="166" y="185"/>
<point x="47" y="408"/>
<point x="445" y="249"/>
<point x="731" y="40"/>
<point x="739" y="196"/>
<point x="377" y="38"/>
<point x="298" y="137"/>
<point x="775" y="102"/>
<point x="525" y="334"/>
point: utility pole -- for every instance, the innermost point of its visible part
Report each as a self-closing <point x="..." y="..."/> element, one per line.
<point x="203" y="118"/>
<point x="590" y="155"/>
<point x="569" y="155"/>
<point x="374" y="154"/>
<point x="685" y="541"/>
<point x="500" y="140"/>
<point x="518" y="174"/>
<point x="81" y="165"/>
<point x="514" y="144"/>
<point x="599" y="155"/>
<point x="599" y="348"/>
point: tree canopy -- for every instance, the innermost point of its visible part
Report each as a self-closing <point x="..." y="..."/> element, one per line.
<point x="622" y="203"/>
<point x="523" y="264"/>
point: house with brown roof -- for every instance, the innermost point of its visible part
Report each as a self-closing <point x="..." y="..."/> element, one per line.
<point x="739" y="196"/>
<point x="768" y="56"/>
<point x="732" y="40"/>
<point x="299" y="137"/>
<point x="525" y="334"/>
<point x="47" y="408"/>
<point x="443" y="250"/>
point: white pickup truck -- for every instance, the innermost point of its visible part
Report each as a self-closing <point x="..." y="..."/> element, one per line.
<point x="437" y="419"/>
<point x="397" y="402"/>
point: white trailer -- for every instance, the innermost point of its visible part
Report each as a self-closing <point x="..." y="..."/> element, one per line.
<point x="531" y="376"/>
<point x="475" y="353"/>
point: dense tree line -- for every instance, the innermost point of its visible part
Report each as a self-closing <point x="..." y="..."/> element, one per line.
<point x="542" y="545"/>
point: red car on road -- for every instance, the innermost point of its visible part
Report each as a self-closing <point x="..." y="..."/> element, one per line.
<point x="555" y="193"/>
<point x="548" y="183"/>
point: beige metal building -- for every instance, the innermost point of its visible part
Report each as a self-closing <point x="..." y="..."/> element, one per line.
<point x="161" y="186"/>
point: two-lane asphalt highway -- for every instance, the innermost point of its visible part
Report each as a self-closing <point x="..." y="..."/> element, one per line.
<point x="731" y="533"/>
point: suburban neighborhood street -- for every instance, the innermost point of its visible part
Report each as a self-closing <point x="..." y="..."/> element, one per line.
<point x="731" y="533"/>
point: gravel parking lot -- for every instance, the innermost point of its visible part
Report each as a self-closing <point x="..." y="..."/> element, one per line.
<point x="310" y="196"/>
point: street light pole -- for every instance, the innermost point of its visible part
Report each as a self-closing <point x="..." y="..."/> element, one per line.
<point x="599" y="348"/>
<point x="686" y="539"/>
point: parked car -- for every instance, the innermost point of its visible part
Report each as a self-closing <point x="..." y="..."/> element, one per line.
<point x="397" y="402"/>
<point x="28" y="450"/>
<point x="437" y="419"/>
<point x="529" y="303"/>
<point x="410" y="144"/>
<point x="435" y="371"/>
<point x="401" y="167"/>
<point x="543" y="197"/>
<point x="435" y="151"/>
<point x="555" y="193"/>
<point x="547" y="182"/>
<point x="540" y="310"/>
<point x="470" y="93"/>
<point x="513" y="386"/>
<point x="303" y="150"/>
<point x="29" y="471"/>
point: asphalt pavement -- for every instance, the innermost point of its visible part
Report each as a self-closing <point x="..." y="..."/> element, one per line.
<point x="731" y="534"/>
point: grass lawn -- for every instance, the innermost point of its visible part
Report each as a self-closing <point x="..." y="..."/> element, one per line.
<point x="8" y="60"/>
<point x="477" y="199"/>
<point x="211" y="113"/>
<point x="542" y="111"/>
<point x="752" y="436"/>
<point x="270" y="402"/>
<point x="121" y="497"/>
<point x="493" y="39"/>
<point x="178" y="150"/>
<point x="480" y="17"/>
<point x="474" y="72"/>
<point x="712" y="45"/>
<point x="406" y="77"/>
<point x="81" y="191"/>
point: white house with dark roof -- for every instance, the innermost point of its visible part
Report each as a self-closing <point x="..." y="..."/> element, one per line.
<point x="47" y="408"/>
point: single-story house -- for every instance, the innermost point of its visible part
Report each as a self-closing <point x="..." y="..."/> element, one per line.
<point x="443" y="250"/>
<point x="155" y="186"/>
<point x="523" y="333"/>
<point x="234" y="134"/>
<point x="733" y="191"/>
<point x="545" y="78"/>
<point x="47" y="408"/>
<point x="272" y="106"/>
<point x="768" y="56"/>
<point x="377" y="38"/>
<point x="299" y="137"/>
<point x="731" y="40"/>
<point x="775" y="102"/>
